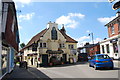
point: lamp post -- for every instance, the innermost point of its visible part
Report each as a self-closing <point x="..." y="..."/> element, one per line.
<point x="91" y="34"/>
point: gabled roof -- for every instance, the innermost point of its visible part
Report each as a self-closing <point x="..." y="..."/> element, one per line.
<point x="36" y="38"/>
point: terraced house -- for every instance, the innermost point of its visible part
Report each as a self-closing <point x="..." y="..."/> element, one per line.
<point x="111" y="45"/>
<point x="10" y="37"/>
<point x="51" y="46"/>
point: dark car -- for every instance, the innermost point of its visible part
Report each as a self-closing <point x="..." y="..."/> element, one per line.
<point x="101" y="61"/>
<point x="54" y="61"/>
<point x="82" y="57"/>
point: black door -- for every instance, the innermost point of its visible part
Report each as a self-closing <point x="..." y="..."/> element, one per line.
<point x="44" y="60"/>
<point x="64" y="58"/>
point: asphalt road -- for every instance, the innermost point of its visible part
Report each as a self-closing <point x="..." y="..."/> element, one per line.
<point x="79" y="70"/>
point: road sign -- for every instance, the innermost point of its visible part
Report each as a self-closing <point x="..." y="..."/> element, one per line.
<point x="116" y="5"/>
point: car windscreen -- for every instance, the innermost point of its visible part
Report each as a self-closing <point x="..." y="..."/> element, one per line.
<point x="103" y="57"/>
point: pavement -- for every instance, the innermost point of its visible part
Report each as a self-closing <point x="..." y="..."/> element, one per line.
<point x="42" y="73"/>
<point x="31" y="73"/>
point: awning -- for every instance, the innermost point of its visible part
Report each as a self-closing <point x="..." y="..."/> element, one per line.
<point x="54" y="52"/>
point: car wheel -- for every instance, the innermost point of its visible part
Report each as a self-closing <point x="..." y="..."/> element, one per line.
<point x="111" y="68"/>
<point x="96" y="68"/>
<point x="90" y="65"/>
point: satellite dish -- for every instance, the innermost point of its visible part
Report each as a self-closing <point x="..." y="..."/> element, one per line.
<point x="111" y="1"/>
<point x="116" y="5"/>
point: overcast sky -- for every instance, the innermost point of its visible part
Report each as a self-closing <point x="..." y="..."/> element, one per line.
<point x="79" y="18"/>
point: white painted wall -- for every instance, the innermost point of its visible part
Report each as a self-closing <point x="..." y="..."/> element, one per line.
<point x="111" y="54"/>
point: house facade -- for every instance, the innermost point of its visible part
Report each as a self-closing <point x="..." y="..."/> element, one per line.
<point x="94" y="49"/>
<point x="9" y="39"/>
<point x="111" y="45"/>
<point x="50" y="42"/>
<point x="90" y="49"/>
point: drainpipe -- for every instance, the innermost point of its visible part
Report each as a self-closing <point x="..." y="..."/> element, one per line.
<point x="0" y="38"/>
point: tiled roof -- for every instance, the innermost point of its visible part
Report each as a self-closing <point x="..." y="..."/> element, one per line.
<point x="68" y="38"/>
<point x="36" y="38"/>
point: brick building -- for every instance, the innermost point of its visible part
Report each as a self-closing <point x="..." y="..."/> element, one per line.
<point x="10" y="38"/>
<point x="111" y="45"/>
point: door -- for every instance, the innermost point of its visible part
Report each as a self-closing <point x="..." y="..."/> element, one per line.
<point x="64" y="58"/>
<point x="44" y="60"/>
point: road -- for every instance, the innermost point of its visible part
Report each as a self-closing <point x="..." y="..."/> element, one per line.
<point x="79" y="70"/>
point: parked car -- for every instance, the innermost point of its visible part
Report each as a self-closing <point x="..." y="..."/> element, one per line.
<point x="82" y="57"/>
<point x="54" y="61"/>
<point x="101" y="61"/>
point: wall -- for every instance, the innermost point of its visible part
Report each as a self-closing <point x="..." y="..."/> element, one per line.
<point x="116" y="30"/>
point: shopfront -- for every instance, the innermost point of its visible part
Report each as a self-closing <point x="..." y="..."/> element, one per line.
<point x="4" y="60"/>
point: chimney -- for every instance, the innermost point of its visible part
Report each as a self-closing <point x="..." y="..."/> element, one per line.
<point x="63" y="29"/>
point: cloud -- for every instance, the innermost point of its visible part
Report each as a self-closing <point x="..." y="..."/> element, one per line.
<point x="25" y="17"/>
<point x="70" y="20"/>
<point x="105" y="20"/>
<point x="88" y="31"/>
<point x="83" y="40"/>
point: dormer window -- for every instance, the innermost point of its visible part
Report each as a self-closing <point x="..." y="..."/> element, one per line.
<point x="54" y="34"/>
<point x="112" y="30"/>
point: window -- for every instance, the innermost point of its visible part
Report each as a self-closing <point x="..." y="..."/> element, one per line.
<point x="71" y="46"/>
<point x="103" y="57"/>
<point x="112" y="30"/>
<point x="115" y="47"/>
<point x="44" y="45"/>
<point x="107" y="48"/>
<point x="54" y="34"/>
<point x="103" y="49"/>
<point x="61" y="45"/>
<point x="40" y="44"/>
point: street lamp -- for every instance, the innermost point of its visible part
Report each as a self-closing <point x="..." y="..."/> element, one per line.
<point x="91" y="34"/>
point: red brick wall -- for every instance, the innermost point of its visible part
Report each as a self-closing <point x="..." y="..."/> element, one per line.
<point x="116" y="30"/>
<point x="93" y="50"/>
<point x="10" y="36"/>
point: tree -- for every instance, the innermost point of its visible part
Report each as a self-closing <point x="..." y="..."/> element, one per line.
<point x="22" y="45"/>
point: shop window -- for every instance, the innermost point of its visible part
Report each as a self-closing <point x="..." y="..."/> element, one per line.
<point x="54" y="34"/>
<point x="103" y="50"/>
<point x="112" y="30"/>
<point x="107" y="48"/>
<point x="115" y="47"/>
<point x="4" y="60"/>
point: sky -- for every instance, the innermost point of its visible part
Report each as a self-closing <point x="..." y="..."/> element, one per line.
<point x="79" y="18"/>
